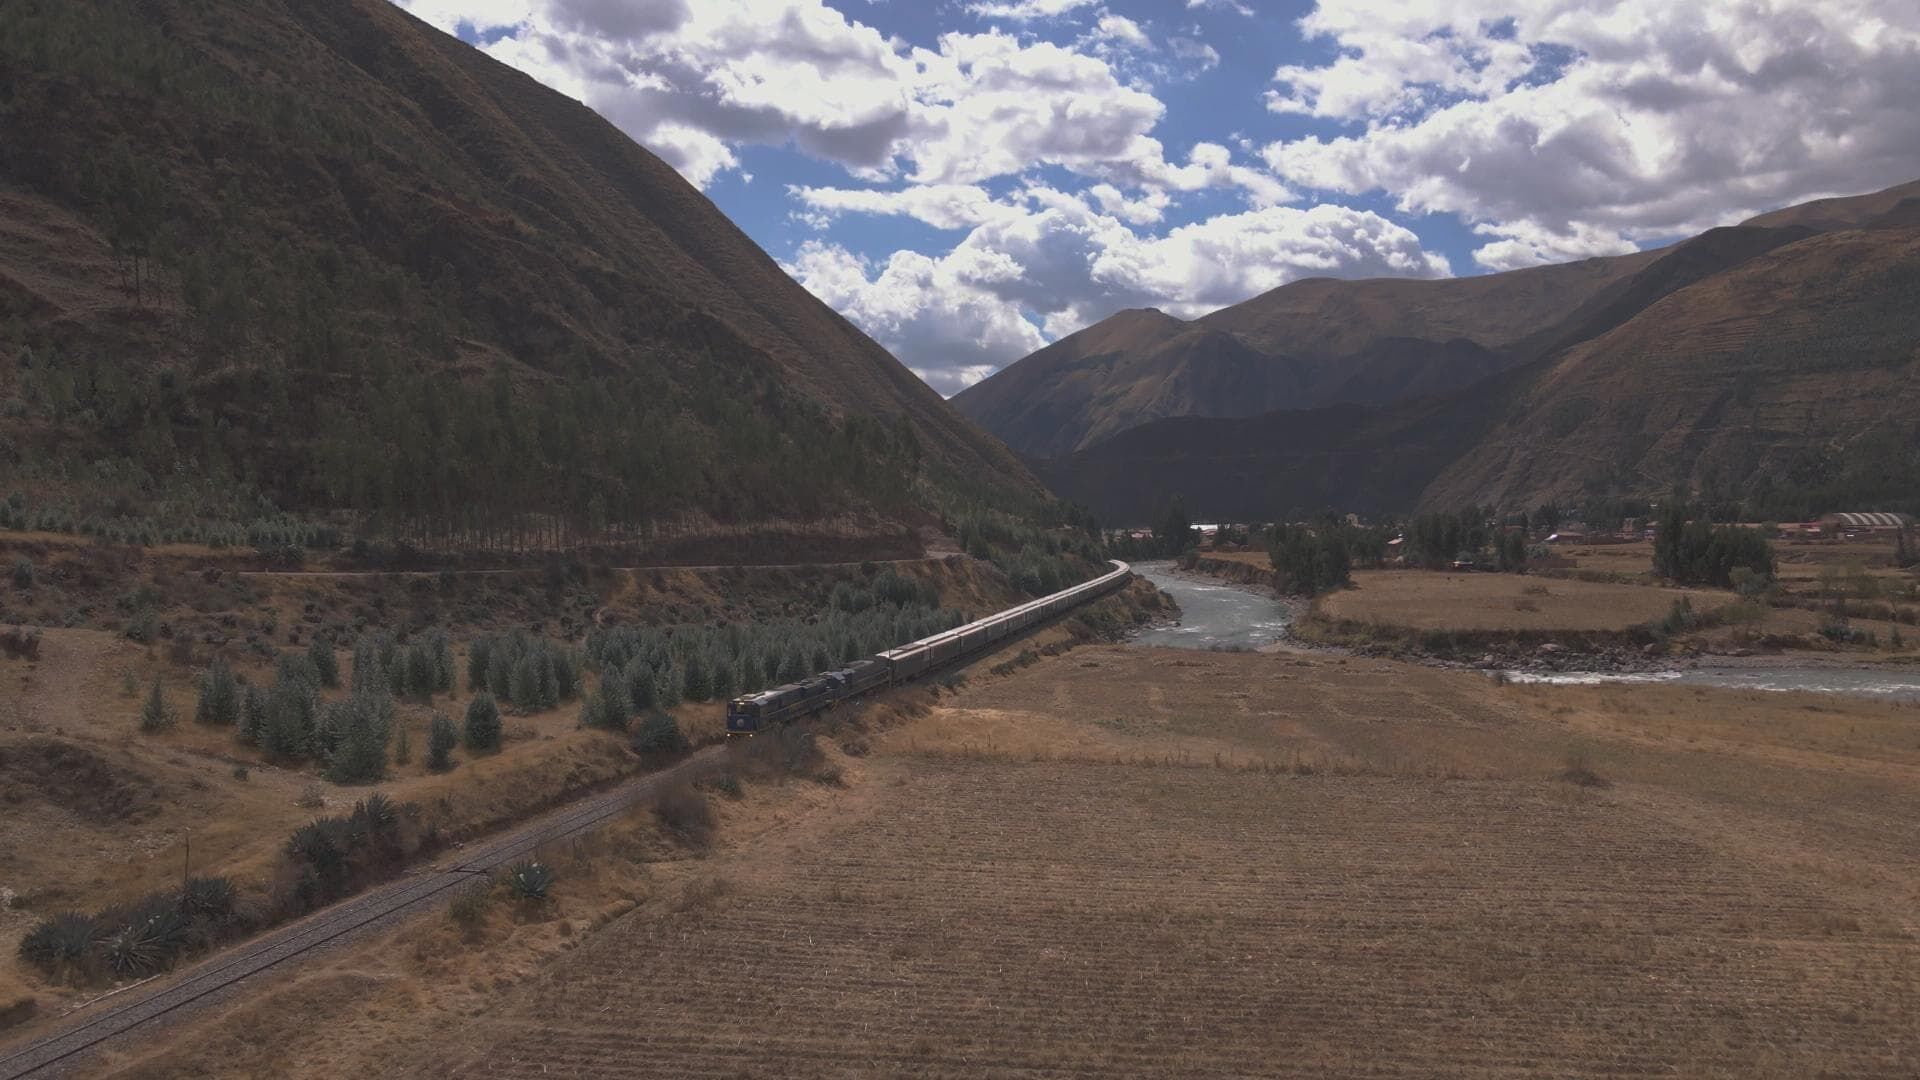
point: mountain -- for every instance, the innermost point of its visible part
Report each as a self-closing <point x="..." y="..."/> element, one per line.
<point x="328" y="254"/>
<point x="1768" y="366"/>
<point x="1313" y="342"/>
<point x="1790" y="381"/>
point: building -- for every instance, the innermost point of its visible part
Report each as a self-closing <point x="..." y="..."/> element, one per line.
<point x="1870" y="524"/>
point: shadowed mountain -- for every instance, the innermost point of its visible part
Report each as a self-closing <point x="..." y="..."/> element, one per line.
<point x="326" y="251"/>
<point x="1749" y="362"/>
<point x="1313" y="342"/>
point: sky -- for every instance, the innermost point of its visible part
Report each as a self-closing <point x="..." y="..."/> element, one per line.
<point x="970" y="180"/>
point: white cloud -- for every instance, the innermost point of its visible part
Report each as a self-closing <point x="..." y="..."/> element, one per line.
<point x="1203" y="54"/>
<point x="1566" y="130"/>
<point x="1063" y="261"/>
<point x="695" y="82"/>
<point x="1026" y="10"/>
<point x="1234" y="6"/>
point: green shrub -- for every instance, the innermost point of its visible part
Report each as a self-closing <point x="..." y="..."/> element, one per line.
<point x="530" y="880"/>
<point x="357" y="731"/>
<point x="726" y="784"/>
<point x="658" y="733"/>
<point x="156" y="714"/>
<point x="22" y="572"/>
<point x="483" y="724"/>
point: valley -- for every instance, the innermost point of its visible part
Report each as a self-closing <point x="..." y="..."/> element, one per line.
<point x="1210" y="862"/>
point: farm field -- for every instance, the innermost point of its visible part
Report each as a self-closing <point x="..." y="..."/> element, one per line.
<point x="1155" y="862"/>
<point x="1434" y="600"/>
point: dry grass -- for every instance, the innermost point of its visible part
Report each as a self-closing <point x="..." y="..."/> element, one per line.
<point x="1152" y="862"/>
<point x="1428" y="600"/>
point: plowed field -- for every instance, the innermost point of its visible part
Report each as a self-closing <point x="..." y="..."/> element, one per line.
<point x="1150" y="863"/>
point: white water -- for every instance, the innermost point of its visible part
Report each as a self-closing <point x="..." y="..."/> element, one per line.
<point x="1862" y="682"/>
<point x="1213" y="616"/>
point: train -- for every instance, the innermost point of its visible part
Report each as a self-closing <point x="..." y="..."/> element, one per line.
<point x="751" y="713"/>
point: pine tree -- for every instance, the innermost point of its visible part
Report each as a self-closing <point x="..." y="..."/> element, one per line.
<point x="292" y="715"/>
<point x="219" y="696"/>
<point x="523" y="689"/>
<point x="441" y="739"/>
<point x="253" y="716"/>
<point x="694" y="685"/>
<point x="156" y="714"/>
<point x="325" y="663"/>
<point x="483" y="724"/>
<point x="642" y="690"/>
<point x="359" y="755"/>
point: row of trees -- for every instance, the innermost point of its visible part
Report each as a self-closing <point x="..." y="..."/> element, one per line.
<point x="1694" y="551"/>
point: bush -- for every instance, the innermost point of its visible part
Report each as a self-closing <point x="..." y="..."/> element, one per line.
<point x="20" y="643"/>
<point x="483" y="724"/>
<point x="156" y="714"/>
<point x="469" y="906"/>
<point x="146" y="937"/>
<point x="658" y="733"/>
<point x="253" y="715"/>
<point x="686" y="814"/>
<point x="219" y="696"/>
<point x="331" y="856"/>
<point x="61" y="940"/>
<point x="441" y="739"/>
<point x="22" y="572"/>
<point x="726" y="784"/>
<point x="530" y="880"/>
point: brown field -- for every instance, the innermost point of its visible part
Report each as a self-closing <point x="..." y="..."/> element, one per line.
<point x="1152" y="862"/>
<point x="1431" y="600"/>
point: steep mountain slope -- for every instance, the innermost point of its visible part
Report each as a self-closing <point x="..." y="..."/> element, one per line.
<point x="330" y="252"/>
<point x="1309" y="343"/>
<point x="1785" y="386"/>
<point x="1792" y="374"/>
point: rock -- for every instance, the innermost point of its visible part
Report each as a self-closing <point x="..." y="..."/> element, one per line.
<point x="1652" y="649"/>
<point x="1550" y="649"/>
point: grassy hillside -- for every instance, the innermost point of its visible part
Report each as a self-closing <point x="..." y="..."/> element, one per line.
<point x="324" y="256"/>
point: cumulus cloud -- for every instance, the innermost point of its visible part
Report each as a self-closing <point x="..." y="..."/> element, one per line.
<point x="1044" y="263"/>
<point x="1566" y="130"/>
<point x="697" y="81"/>
<point x="1234" y="6"/>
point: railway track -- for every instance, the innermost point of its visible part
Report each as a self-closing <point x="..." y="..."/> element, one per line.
<point x="218" y="976"/>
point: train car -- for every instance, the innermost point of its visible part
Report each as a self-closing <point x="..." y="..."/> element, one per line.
<point x="749" y="713"/>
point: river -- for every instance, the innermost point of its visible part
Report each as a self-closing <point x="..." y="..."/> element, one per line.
<point x="1213" y="616"/>
<point x="1220" y="616"/>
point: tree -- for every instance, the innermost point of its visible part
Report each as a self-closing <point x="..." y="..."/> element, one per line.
<point x="1696" y="552"/>
<point x="1309" y="561"/>
<point x="1512" y="553"/>
<point x="325" y="663"/>
<point x="1173" y="532"/>
<point x="483" y="724"/>
<point x="361" y="725"/>
<point x="441" y="739"/>
<point x="1905" y="552"/>
<point x="253" y="716"/>
<point x="292" y="715"/>
<point x="219" y="696"/>
<point x="156" y="714"/>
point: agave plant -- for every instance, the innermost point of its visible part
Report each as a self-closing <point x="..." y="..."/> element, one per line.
<point x="208" y="898"/>
<point x="60" y="939"/>
<point x="147" y="939"/>
<point x="530" y="879"/>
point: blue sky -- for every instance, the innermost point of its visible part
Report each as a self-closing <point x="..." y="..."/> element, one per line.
<point x="968" y="180"/>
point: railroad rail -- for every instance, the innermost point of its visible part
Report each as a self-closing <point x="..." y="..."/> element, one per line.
<point x="218" y="975"/>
